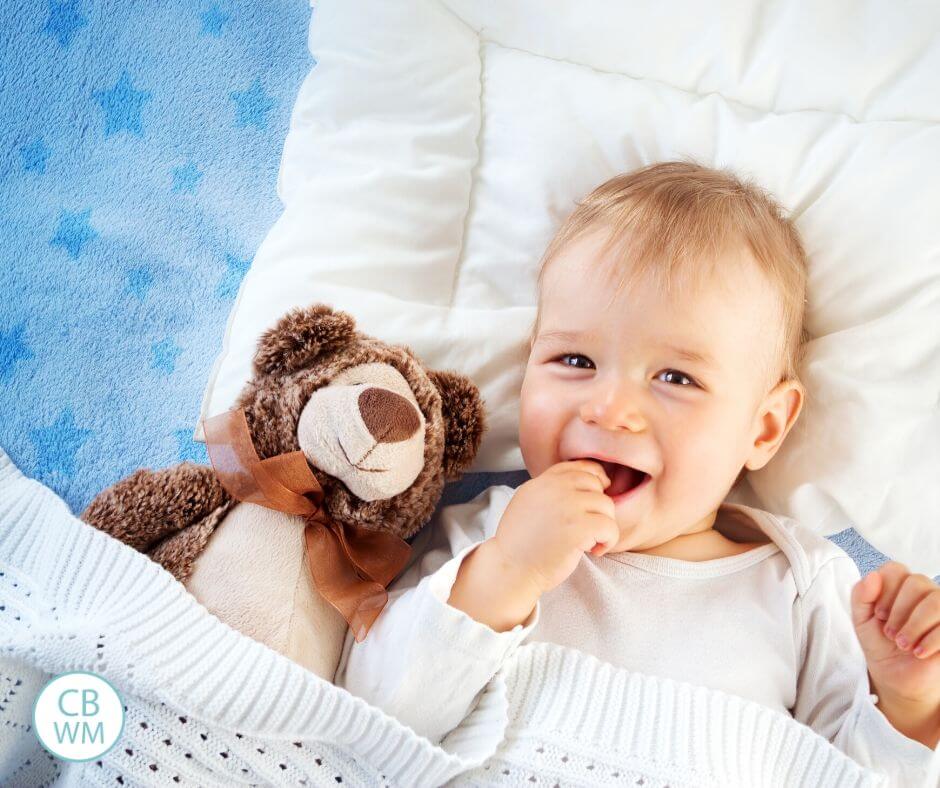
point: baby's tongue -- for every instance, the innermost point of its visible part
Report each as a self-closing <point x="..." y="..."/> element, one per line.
<point x="622" y="478"/>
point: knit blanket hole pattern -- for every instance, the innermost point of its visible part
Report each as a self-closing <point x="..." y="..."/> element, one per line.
<point x="147" y="753"/>
<point x="552" y="765"/>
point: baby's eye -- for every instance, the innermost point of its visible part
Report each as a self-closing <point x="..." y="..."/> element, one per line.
<point x="573" y="355"/>
<point x="677" y="377"/>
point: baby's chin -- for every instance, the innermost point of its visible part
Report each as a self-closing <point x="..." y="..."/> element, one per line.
<point x="630" y="541"/>
<point x="641" y="529"/>
<point x="634" y="535"/>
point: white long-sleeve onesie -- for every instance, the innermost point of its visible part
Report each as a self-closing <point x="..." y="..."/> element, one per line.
<point x="772" y="625"/>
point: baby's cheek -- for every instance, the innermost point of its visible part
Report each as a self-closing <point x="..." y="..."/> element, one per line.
<point x="532" y="445"/>
<point x="700" y="467"/>
<point x="538" y="433"/>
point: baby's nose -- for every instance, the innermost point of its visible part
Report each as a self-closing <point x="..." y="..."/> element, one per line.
<point x="614" y="411"/>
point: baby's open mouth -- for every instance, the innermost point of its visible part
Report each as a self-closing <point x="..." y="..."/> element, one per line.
<point x="623" y="478"/>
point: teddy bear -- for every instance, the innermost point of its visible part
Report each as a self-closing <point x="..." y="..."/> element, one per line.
<point x="381" y="434"/>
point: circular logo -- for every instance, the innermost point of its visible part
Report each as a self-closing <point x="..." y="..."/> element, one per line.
<point x="78" y="716"/>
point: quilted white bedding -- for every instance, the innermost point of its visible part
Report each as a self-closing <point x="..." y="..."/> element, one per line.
<point x="437" y="144"/>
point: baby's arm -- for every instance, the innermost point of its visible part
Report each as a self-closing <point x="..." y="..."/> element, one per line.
<point x="438" y="643"/>
<point x="833" y="692"/>
<point x="425" y="662"/>
<point x="492" y="591"/>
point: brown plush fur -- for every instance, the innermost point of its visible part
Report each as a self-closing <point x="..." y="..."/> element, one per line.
<point x="183" y="495"/>
<point x="465" y="420"/>
<point x="299" y="337"/>
<point x="172" y="513"/>
<point x="178" y="553"/>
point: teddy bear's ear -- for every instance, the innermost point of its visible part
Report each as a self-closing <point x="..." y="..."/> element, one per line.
<point x="300" y="336"/>
<point x="463" y="412"/>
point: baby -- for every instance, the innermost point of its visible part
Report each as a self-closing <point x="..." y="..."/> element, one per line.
<point x="662" y="366"/>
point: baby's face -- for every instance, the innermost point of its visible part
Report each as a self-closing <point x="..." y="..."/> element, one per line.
<point x="618" y="384"/>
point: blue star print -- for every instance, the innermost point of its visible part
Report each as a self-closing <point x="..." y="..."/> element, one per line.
<point x="186" y="178"/>
<point x="188" y="449"/>
<point x="253" y="106"/>
<point x="73" y="232"/>
<point x="139" y="282"/>
<point x="165" y="354"/>
<point x="235" y="271"/>
<point x="212" y="21"/>
<point x="34" y="156"/>
<point x="122" y="106"/>
<point x="12" y="349"/>
<point x="64" y="20"/>
<point x="57" y="445"/>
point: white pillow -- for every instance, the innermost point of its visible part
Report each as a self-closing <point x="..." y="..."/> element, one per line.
<point x="436" y="146"/>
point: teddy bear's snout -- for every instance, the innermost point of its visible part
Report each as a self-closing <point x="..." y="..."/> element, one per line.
<point x="388" y="416"/>
<point x="364" y="429"/>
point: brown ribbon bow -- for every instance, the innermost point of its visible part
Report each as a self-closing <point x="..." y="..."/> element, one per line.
<point x="350" y="565"/>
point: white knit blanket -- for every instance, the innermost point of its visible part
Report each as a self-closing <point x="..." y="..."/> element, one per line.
<point x="206" y="705"/>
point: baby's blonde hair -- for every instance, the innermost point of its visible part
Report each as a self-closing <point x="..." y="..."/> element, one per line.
<point x="672" y="221"/>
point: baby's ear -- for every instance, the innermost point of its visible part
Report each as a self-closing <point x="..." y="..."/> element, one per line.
<point x="464" y="419"/>
<point x="773" y="420"/>
<point x="300" y="336"/>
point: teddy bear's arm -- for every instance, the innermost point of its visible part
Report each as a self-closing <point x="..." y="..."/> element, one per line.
<point x="148" y="505"/>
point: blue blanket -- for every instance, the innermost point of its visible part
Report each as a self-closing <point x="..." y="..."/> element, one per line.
<point x="141" y="142"/>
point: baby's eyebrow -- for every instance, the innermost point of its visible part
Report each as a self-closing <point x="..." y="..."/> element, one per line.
<point x="565" y="336"/>
<point x="692" y="355"/>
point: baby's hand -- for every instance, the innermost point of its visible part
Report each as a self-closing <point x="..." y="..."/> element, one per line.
<point x="554" y="519"/>
<point x="897" y="620"/>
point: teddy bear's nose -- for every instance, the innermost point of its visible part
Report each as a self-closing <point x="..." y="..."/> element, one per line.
<point x="387" y="415"/>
